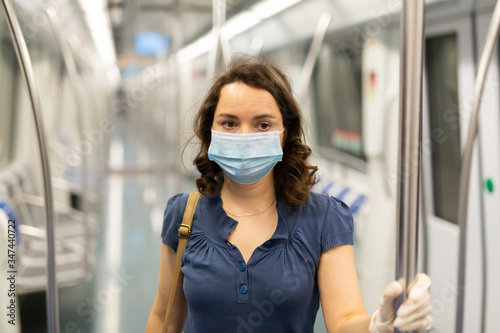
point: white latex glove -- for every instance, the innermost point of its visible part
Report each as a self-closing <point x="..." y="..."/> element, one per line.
<point x="413" y="314"/>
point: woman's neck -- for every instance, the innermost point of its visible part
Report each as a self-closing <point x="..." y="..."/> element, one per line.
<point x="248" y="198"/>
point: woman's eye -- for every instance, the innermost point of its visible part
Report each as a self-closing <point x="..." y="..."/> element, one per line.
<point x="229" y="124"/>
<point x="264" y="126"/>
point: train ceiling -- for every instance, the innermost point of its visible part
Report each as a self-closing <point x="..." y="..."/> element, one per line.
<point x="115" y="25"/>
<point x="182" y="21"/>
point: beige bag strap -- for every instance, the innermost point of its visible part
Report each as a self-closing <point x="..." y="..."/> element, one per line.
<point x="184" y="233"/>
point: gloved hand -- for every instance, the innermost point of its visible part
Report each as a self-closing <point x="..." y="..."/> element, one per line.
<point x="413" y="314"/>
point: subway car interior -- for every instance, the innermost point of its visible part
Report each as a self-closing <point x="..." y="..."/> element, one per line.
<point x="97" y="101"/>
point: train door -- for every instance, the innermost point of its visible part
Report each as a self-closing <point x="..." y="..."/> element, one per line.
<point x="448" y="95"/>
<point x="489" y="141"/>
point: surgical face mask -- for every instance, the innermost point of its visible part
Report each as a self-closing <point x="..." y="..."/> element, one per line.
<point x="246" y="158"/>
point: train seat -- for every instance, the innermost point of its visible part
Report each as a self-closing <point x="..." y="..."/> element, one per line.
<point x="75" y="233"/>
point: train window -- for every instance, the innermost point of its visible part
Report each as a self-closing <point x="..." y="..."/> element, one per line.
<point x="8" y="66"/>
<point x="442" y="83"/>
<point x="337" y="81"/>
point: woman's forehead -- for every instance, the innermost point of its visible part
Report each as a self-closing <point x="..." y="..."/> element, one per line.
<point x="241" y="98"/>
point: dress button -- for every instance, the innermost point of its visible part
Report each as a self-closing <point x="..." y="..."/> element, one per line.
<point x="243" y="289"/>
<point x="242" y="267"/>
<point x="268" y="244"/>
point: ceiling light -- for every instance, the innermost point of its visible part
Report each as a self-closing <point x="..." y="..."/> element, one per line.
<point x="100" y="30"/>
<point x="240" y="23"/>
<point x="268" y="8"/>
<point x="195" y="49"/>
<point x="90" y="6"/>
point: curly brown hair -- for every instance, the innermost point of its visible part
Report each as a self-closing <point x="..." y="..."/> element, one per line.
<point x="294" y="176"/>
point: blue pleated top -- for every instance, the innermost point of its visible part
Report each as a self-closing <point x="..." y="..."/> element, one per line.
<point x="276" y="290"/>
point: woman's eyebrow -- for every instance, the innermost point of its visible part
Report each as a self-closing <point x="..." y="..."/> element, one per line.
<point x="258" y="117"/>
<point x="264" y="116"/>
<point x="227" y="115"/>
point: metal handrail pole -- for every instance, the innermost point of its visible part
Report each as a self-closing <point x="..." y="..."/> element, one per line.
<point x="24" y="60"/>
<point x="412" y="26"/>
<point x="463" y="201"/>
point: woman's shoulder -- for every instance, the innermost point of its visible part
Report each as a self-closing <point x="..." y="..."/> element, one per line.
<point x="321" y="204"/>
<point x="328" y="219"/>
<point x="317" y="206"/>
<point x="177" y="198"/>
<point x="172" y="218"/>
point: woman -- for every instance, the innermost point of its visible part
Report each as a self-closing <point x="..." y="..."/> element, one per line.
<point x="264" y="250"/>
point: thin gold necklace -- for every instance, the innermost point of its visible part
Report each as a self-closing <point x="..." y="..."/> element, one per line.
<point x="245" y="215"/>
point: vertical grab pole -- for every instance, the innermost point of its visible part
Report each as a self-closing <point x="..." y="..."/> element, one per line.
<point x="410" y="135"/>
<point x="24" y="60"/>
<point x="489" y="49"/>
